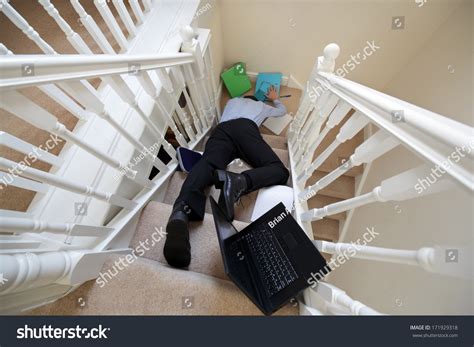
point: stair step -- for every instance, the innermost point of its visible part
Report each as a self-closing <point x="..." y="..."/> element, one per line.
<point x="326" y="229"/>
<point x="276" y="142"/>
<point x="146" y="287"/>
<point x="342" y="188"/>
<point x="205" y="252"/>
<point x="320" y="200"/>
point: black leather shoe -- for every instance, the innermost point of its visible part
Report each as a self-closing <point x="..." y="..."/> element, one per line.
<point x="232" y="186"/>
<point x="177" y="249"/>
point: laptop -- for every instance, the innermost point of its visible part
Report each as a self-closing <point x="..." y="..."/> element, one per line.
<point x="271" y="259"/>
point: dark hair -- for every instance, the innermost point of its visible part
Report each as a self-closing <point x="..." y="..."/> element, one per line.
<point x="250" y="97"/>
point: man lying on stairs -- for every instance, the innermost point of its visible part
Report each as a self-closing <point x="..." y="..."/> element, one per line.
<point x="236" y="136"/>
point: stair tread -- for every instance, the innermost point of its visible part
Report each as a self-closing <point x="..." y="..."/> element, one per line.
<point x="276" y="142"/>
<point x="326" y="229"/>
<point x="205" y="252"/>
<point x="146" y="287"/>
<point x="341" y="188"/>
<point x="320" y="200"/>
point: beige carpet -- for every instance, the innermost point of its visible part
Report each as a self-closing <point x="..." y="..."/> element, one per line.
<point x="149" y="288"/>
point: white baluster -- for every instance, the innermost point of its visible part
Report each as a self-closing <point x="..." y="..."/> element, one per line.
<point x="150" y="89"/>
<point x="371" y="149"/>
<point x="11" y="179"/>
<point x="148" y="5"/>
<point x="397" y="188"/>
<point x="168" y="86"/>
<point x="210" y="63"/>
<point x="334" y="295"/>
<point x="104" y="10"/>
<point x="312" y="128"/>
<point x="137" y="11"/>
<point x="197" y="72"/>
<point x="92" y="28"/>
<point x="355" y="124"/>
<point x="29" y="270"/>
<point x="25" y="109"/>
<point x="76" y="41"/>
<point x="341" y="110"/>
<point x="125" y="17"/>
<point x="24" y="147"/>
<point x="23" y="25"/>
<point x="89" y="97"/>
<point x="69" y="185"/>
<point x="178" y="76"/>
<point x="196" y="96"/>
<point x="22" y="225"/>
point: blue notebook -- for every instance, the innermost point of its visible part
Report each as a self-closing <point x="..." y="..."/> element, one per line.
<point x="264" y="81"/>
<point x="187" y="158"/>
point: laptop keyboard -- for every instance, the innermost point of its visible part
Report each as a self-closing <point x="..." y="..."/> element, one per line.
<point x="273" y="265"/>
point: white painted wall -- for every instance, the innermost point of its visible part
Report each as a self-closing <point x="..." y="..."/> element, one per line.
<point x="444" y="219"/>
<point x="208" y="16"/>
<point x="287" y="36"/>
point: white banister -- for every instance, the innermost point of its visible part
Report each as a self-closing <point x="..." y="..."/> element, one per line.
<point x="92" y="28"/>
<point x="371" y="149"/>
<point x="57" y="68"/>
<point x="22" y="225"/>
<point x="67" y="184"/>
<point x="397" y="188"/>
<point x="451" y="132"/>
<point x="424" y="142"/>
<point x="109" y="19"/>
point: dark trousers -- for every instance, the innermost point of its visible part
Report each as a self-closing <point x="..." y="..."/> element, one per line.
<point x="239" y="138"/>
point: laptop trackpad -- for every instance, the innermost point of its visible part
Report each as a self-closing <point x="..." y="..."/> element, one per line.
<point x="290" y="241"/>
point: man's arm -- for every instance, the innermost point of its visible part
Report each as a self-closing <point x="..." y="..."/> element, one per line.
<point x="279" y="109"/>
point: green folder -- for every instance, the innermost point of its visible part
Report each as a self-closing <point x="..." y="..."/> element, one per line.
<point x="236" y="80"/>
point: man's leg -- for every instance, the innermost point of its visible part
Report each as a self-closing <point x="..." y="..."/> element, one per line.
<point x="190" y="204"/>
<point x="267" y="169"/>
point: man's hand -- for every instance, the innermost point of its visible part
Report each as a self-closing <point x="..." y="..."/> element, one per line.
<point x="272" y="93"/>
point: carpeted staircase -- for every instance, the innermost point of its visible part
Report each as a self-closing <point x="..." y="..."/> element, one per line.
<point x="150" y="286"/>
